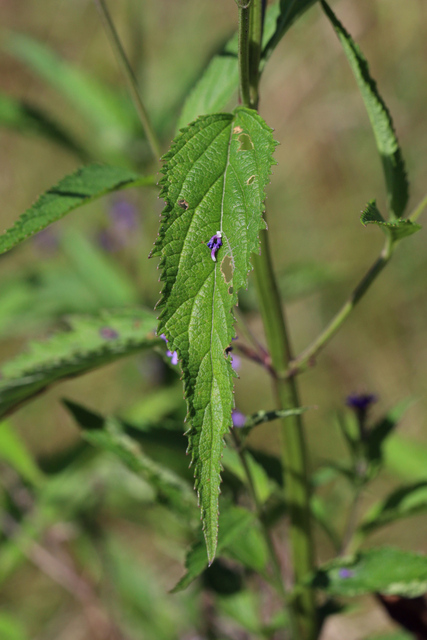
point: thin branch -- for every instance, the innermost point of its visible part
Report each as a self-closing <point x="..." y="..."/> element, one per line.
<point x="308" y="356"/>
<point x="130" y="77"/>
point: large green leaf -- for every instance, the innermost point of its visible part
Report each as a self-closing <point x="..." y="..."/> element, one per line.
<point x="108" y="435"/>
<point x="379" y="115"/>
<point x="90" y="343"/>
<point x="215" y="175"/>
<point x="398" y="228"/>
<point x="402" y="503"/>
<point x="25" y="118"/>
<point x="220" y="79"/>
<point x="384" y="570"/>
<point x="73" y="191"/>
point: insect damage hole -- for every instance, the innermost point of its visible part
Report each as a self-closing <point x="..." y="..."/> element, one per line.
<point x="227" y="269"/>
<point x="250" y="180"/>
<point x="246" y="143"/>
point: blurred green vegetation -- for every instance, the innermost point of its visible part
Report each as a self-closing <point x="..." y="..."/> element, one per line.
<point x="119" y="576"/>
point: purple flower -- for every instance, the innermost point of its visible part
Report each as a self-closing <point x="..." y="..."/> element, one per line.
<point x="46" y="240"/>
<point x="123" y="215"/>
<point x="238" y="418"/>
<point x="345" y="573"/>
<point x="173" y="355"/>
<point x="215" y="243"/>
<point x="360" y="401"/>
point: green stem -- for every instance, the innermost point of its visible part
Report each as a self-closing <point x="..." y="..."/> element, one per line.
<point x="418" y="210"/>
<point x="292" y="437"/>
<point x="307" y="357"/>
<point x="130" y="77"/>
<point x="244" y="16"/>
<point x="293" y="449"/>
<point x="255" y="41"/>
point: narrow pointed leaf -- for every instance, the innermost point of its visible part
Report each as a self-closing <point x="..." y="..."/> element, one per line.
<point x="402" y="503"/>
<point x="289" y="12"/>
<point x="107" y="435"/>
<point x="90" y="343"/>
<point x="73" y="191"/>
<point x="379" y="115"/>
<point x="397" y="228"/>
<point x="28" y="119"/>
<point x="112" y="116"/>
<point x="384" y="570"/>
<point x="215" y="175"/>
<point x="267" y="416"/>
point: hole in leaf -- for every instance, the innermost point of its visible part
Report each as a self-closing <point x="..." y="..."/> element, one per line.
<point x="227" y="269"/>
<point x="237" y="129"/>
<point x="245" y="143"/>
<point x="250" y="180"/>
<point x="183" y="204"/>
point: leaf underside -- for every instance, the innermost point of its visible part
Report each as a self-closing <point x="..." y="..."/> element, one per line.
<point x="215" y="175"/>
<point x="397" y="229"/>
<point x="381" y="121"/>
<point x="91" y="342"/>
<point x="81" y="187"/>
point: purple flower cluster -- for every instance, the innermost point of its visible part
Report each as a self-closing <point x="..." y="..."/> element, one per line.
<point x="123" y="222"/>
<point x="214" y="244"/>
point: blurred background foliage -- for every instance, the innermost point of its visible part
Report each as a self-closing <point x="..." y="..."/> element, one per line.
<point x="94" y="528"/>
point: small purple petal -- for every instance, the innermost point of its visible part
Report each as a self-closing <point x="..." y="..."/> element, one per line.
<point x="108" y="333"/>
<point x="163" y="337"/>
<point x="174" y="358"/>
<point x="345" y="573"/>
<point x="238" y="418"/>
<point x="236" y="362"/>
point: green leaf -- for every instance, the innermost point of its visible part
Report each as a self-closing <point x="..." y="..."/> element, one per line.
<point x="406" y="458"/>
<point x="25" y="118"/>
<point x="108" y="283"/>
<point x="262" y="484"/>
<point x="401" y="503"/>
<point x="90" y="343"/>
<point x="220" y="79"/>
<point x="112" y="117"/>
<point x="11" y="627"/>
<point x="384" y="570"/>
<point x="14" y="452"/>
<point x="397" y="229"/>
<point x="379" y="115"/>
<point x="378" y="434"/>
<point x="107" y="435"/>
<point x="233" y="521"/>
<point x="289" y="12"/>
<point x="73" y="191"/>
<point x="215" y="175"/>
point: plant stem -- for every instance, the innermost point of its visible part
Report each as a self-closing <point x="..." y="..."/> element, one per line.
<point x="255" y="41"/>
<point x="130" y="77"/>
<point x="307" y="357"/>
<point x="244" y="15"/>
<point x="293" y="454"/>
<point x="293" y="450"/>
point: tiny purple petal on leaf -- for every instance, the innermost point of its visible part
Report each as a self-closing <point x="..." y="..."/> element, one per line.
<point x="174" y="358"/>
<point x="360" y="401"/>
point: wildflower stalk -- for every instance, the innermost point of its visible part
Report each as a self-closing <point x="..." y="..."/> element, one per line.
<point x="130" y="77"/>
<point x="293" y="450"/>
